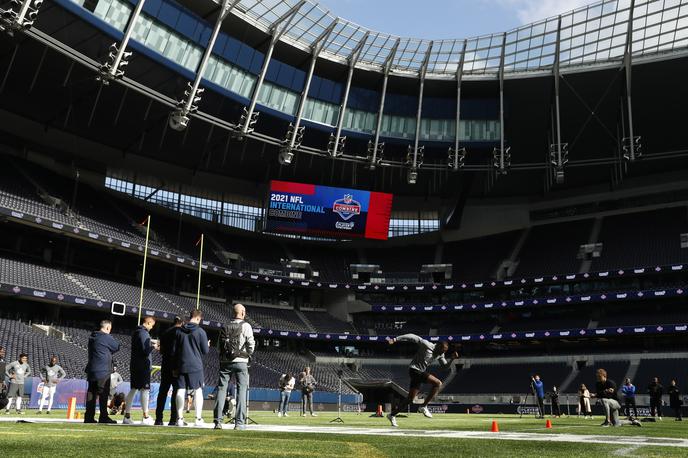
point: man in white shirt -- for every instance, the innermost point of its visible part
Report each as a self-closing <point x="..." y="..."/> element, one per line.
<point x="286" y="385"/>
<point x="52" y="374"/>
<point x="236" y="345"/>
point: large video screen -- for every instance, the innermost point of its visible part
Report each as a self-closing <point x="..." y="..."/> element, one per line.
<point x="308" y="209"/>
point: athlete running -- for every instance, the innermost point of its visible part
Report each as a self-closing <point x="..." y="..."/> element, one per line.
<point x="418" y="370"/>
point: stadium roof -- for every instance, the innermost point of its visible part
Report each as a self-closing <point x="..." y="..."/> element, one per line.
<point x="592" y="34"/>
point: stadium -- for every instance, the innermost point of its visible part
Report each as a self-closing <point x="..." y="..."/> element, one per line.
<point x="477" y="245"/>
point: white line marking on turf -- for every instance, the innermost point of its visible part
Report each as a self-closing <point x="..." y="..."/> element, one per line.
<point x="629" y="441"/>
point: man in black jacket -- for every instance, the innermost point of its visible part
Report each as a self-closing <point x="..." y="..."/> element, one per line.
<point x="675" y="401"/>
<point x="140" y="366"/>
<point x="101" y="346"/>
<point x="607" y="393"/>
<point x="190" y="345"/>
<point x="166" y="378"/>
<point x="655" y="390"/>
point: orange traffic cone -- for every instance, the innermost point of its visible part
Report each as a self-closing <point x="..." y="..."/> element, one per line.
<point x="379" y="410"/>
<point x="548" y="424"/>
<point x="495" y="426"/>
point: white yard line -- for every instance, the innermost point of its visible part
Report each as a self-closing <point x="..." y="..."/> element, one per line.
<point x="622" y="441"/>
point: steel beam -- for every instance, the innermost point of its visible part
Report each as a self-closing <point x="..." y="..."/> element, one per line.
<point x="555" y="69"/>
<point x="419" y="111"/>
<point x="316" y="47"/>
<point x="276" y="32"/>
<point x="111" y="70"/>
<point x="628" y="62"/>
<point x="179" y="119"/>
<point x="457" y="130"/>
<point x="353" y="59"/>
<point x="501" y="160"/>
<point x="389" y="60"/>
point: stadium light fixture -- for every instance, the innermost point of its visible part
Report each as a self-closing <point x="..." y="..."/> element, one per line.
<point x="414" y="161"/>
<point x="456" y="159"/>
<point x="559" y="157"/>
<point x="118" y="58"/>
<point x="375" y="154"/>
<point x="292" y="141"/>
<point x="179" y="118"/>
<point x="501" y="160"/>
<point x="12" y="21"/>
<point x="633" y="148"/>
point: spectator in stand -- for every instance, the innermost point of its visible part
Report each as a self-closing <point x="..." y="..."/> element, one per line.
<point x="17" y="373"/>
<point x="308" y="384"/>
<point x="675" y="400"/>
<point x="584" y="402"/>
<point x="286" y="385"/>
<point x="628" y="390"/>
<point x="101" y="347"/>
<point x="655" y="390"/>
<point x="52" y="374"/>
<point x="538" y="388"/>
<point x="190" y="345"/>
<point x="142" y="347"/>
<point x="166" y="378"/>
<point x="606" y="392"/>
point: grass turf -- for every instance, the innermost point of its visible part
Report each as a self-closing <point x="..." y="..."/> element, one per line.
<point x="100" y="440"/>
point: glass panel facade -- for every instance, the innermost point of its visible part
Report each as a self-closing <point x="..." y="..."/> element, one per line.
<point x="249" y="216"/>
<point x="237" y="80"/>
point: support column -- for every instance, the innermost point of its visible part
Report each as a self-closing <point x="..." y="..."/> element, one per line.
<point x="377" y="146"/>
<point x="631" y="144"/>
<point x="291" y="142"/>
<point x="335" y="149"/>
<point x="179" y="119"/>
<point x="414" y="162"/>
<point x="249" y="117"/>
<point x="558" y="151"/>
<point x="502" y="158"/>
<point x="458" y="154"/>
<point x="119" y="56"/>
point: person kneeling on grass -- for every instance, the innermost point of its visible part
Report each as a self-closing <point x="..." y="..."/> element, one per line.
<point x="427" y="353"/>
<point x="607" y="394"/>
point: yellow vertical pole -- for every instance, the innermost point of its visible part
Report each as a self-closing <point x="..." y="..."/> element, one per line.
<point x="143" y="274"/>
<point x="200" y="269"/>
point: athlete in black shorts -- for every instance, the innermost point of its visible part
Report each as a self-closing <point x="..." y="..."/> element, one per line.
<point x="426" y="354"/>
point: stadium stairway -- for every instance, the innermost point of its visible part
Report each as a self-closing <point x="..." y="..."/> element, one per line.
<point x="569" y="378"/>
<point x="81" y="285"/>
<point x="593" y="238"/>
<point x="305" y="320"/>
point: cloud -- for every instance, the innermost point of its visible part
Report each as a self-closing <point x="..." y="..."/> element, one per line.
<point x="529" y="11"/>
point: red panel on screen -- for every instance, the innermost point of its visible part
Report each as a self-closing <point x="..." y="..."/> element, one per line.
<point x="379" y="211"/>
<point x="293" y="188"/>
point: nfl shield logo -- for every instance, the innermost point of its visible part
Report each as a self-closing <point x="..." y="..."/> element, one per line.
<point x="347" y="207"/>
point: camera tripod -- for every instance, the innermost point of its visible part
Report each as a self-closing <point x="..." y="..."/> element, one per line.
<point x="525" y="401"/>
<point x="249" y="420"/>
<point x="339" y="401"/>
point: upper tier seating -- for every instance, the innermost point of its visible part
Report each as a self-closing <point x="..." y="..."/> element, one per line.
<point x="478" y="259"/>
<point x="553" y="249"/>
<point x="643" y="239"/>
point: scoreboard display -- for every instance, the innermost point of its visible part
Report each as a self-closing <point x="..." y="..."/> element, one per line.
<point x="322" y="211"/>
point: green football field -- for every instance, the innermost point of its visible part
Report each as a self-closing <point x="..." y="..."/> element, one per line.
<point x="359" y="436"/>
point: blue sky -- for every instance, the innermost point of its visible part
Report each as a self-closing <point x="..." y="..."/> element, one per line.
<point x="447" y="18"/>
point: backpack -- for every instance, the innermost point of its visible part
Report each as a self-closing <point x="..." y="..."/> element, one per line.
<point x="231" y="345"/>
